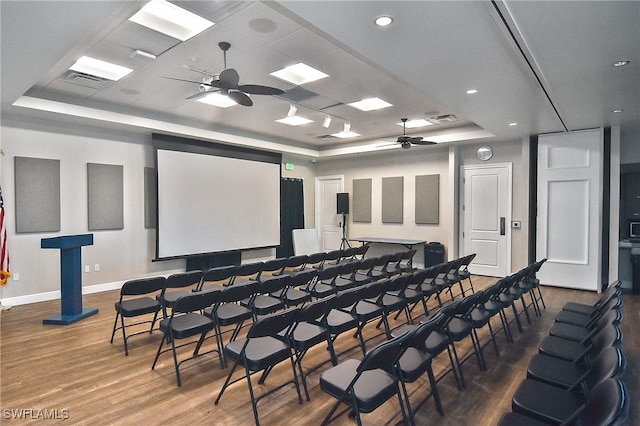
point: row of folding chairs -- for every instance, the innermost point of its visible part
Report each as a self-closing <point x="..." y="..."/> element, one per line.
<point x="575" y="378"/>
<point x="453" y="322"/>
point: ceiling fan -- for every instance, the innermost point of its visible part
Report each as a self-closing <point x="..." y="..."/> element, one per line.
<point x="406" y="141"/>
<point x="226" y="83"/>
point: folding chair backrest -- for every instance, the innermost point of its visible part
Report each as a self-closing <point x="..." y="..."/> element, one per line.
<point x="236" y="293"/>
<point x="385" y="354"/>
<point x="315" y="260"/>
<point x="418" y="276"/>
<point x="184" y="279"/>
<point x="196" y="301"/>
<point x="610" y="363"/>
<point x="219" y="273"/>
<point x="333" y="257"/>
<point x="419" y="335"/>
<point x="466" y="260"/>
<point x="296" y="262"/>
<point x="373" y="290"/>
<point x="302" y="278"/>
<point x="248" y="270"/>
<point x="346" y="298"/>
<point x="349" y="268"/>
<point x="142" y="286"/>
<point x="448" y="312"/>
<point x="315" y="310"/>
<point x="329" y="273"/>
<point x="273" y="284"/>
<point x="365" y="265"/>
<point x="271" y="325"/>
<point x="398" y="283"/>
<point x="467" y="304"/>
<point x="608" y="336"/>
<point x="272" y="266"/>
<point x="607" y="404"/>
<point x="361" y="251"/>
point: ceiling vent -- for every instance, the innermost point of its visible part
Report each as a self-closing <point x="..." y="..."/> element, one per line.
<point x="442" y="119"/>
<point x="327" y="137"/>
<point x="85" y="80"/>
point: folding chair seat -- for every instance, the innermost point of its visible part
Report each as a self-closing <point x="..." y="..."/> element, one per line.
<point x="293" y="264"/>
<point x="365" y="385"/>
<point x="217" y="276"/>
<point x="463" y="271"/>
<point x="609" y="363"/>
<point x="613" y="291"/>
<point x="178" y="281"/>
<point x="265" y="299"/>
<point x="607" y="405"/>
<point x="187" y="321"/>
<point x="228" y="311"/>
<point x="246" y="273"/>
<point x="442" y="282"/>
<point x="481" y="317"/>
<point x="582" y="334"/>
<point x="517" y="292"/>
<point x="360" y="251"/>
<point x="310" y="329"/>
<point x="495" y="306"/>
<point x="414" y="287"/>
<point x="322" y="287"/>
<point x="260" y="350"/>
<point x="416" y="361"/>
<point x="576" y="351"/>
<point x="134" y="302"/>
<point x="581" y="320"/>
<point x="453" y="276"/>
<point x="507" y="299"/>
<point x="297" y="293"/>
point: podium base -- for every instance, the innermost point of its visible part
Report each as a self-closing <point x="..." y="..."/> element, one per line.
<point x="61" y="319"/>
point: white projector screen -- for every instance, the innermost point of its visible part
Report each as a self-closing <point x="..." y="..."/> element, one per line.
<point x="212" y="203"/>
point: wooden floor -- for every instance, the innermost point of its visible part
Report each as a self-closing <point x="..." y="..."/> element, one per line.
<point x="75" y="371"/>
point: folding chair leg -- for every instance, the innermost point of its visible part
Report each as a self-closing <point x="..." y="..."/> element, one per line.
<point x="493" y="338"/>
<point x="434" y="391"/>
<point x="164" y="338"/>
<point x="226" y="383"/>
<point x="115" y="325"/>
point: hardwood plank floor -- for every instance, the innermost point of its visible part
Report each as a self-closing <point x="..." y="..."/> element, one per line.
<point x="76" y="371"/>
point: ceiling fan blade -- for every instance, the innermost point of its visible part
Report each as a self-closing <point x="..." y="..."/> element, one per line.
<point x="240" y="98"/>
<point x="186" y="81"/>
<point x="256" y="89"/>
<point x="416" y="139"/>
<point x="230" y="77"/>
<point x="424" y="143"/>
<point x="199" y="95"/>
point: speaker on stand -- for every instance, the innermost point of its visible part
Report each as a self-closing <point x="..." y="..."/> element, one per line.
<point x="343" y="209"/>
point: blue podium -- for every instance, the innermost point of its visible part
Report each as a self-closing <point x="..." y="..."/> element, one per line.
<point x="70" y="278"/>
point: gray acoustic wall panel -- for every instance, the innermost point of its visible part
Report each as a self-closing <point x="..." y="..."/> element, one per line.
<point x="392" y="199"/>
<point x="105" y="196"/>
<point x="150" y="197"/>
<point x="428" y="199"/>
<point x="37" y="188"/>
<point x="361" y="200"/>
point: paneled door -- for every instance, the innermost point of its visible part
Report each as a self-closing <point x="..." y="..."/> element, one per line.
<point x="485" y="218"/>
<point x="328" y="221"/>
<point x="569" y="208"/>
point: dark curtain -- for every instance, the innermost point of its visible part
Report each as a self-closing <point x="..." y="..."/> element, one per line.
<point x="291" y="213"/>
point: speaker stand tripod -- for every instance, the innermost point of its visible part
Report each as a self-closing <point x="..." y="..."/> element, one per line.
<point x="344" y="243"/>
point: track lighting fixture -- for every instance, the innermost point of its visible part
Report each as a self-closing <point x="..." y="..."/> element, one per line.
<point x="327" y="121"/>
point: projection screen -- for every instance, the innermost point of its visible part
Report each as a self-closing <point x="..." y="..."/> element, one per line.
<point x="214" y="198"/>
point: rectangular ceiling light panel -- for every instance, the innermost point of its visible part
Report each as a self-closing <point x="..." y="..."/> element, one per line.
<point x="217" y="99"/>
<point x="169" y="19"/>
<point x="370" y="104"/>
<point x="299" y="74"/>
<point x="98" y="68"/>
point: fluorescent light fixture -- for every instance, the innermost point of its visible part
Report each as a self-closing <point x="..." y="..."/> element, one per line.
<point x="217" y="99"/>
<point x="617" y="111"/>
<point x="513" y="124"/>
<point x="327" y="121"/>
<point x="292" y="111"/>
<point x="142" y="54"/>
<point x="472" y="91"/>
<point x="100" y="68"/>
<point x="412" y="124"/>
<point x="299" y="74"/>
<point x="383" y="21"/>
<point x="370" y="104"/>
<point x="295" y="120"/>
<point x="169" y="19"/>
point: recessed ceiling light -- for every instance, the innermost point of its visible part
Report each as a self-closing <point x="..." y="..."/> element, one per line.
<point x="513" y="124"/>
<point x="620" y="63"/>
<point x="472" y="92"/>
<point x="412" y="124"/>
<point x="217" y="99"/>
<point x="169" y="19"/>
<point x="299" y="74"/>
<point x="294" y="120"/>
<point x="370" y="104"/>
<point x="617" y="111"/>
<point x="383" y="21"/>
<point x="344" y="135"/>
<point x="100" y="68"/>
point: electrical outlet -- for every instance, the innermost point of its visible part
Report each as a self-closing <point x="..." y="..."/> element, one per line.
<point x="87" y="268"/>
<point x="15" y="276"/>
<point x="96" y="267"/>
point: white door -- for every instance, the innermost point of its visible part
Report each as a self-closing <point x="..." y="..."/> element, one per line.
<point x="569" y="207"/>
<point x="328" y="221"/>
<point x="486" y="215"/>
